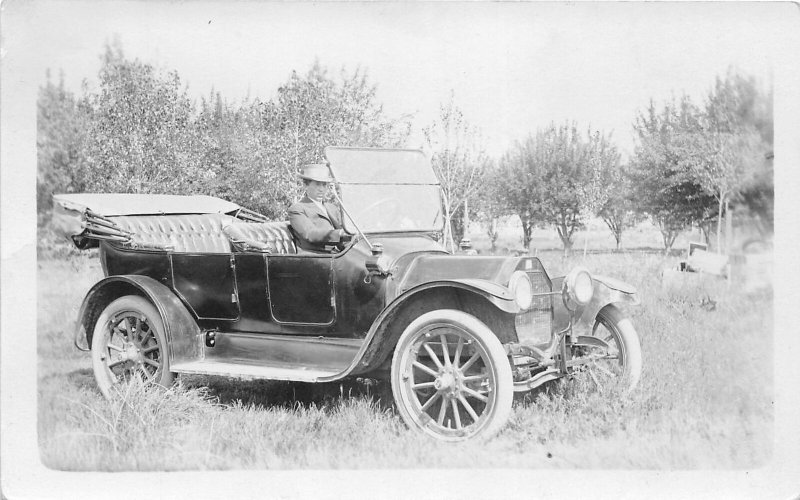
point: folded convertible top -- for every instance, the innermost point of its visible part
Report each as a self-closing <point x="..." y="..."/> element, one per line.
<point x="111" y="204"/>
<point x="86" y="218"/>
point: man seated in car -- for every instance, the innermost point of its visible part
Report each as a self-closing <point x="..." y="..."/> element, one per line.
<point x="315" y="222"/>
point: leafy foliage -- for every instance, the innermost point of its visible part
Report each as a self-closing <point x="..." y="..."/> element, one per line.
<point x="665" y="193"/>
<point x="460" y="163"/>
<point x="140" y="132"/>
<point x="140" y="138"/>
<point x="556" y="176"/>
<point x="61" y="131"/>
<point x="691" y="161"/>
<point x="491" y="202"/>
<point x="737" y="139"/>
<point x="618" y="209"/>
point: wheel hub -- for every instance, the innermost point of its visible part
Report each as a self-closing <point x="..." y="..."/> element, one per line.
<point x="448" y="381"/>
<point x="132" y="353"/>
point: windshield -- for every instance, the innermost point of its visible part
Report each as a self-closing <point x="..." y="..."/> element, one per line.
<point x="387" y="189"/>
<point x="384" y="207"/>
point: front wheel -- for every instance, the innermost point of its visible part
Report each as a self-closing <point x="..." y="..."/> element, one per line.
<point x="451" y="378"/>
<point x="129" y="341"/>
<point x="612" y="354"/>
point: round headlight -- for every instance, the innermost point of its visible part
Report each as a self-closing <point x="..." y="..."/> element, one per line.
<point x="520" y="286"/>
<point x="578" y="288"/>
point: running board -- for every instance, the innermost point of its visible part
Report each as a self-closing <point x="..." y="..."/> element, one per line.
<point x="246" y="371"/>
<point x="274" y="357"/>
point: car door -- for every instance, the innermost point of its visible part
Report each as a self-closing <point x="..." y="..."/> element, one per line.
<point x="301" y="289"/>
<point x="207" y="283"/>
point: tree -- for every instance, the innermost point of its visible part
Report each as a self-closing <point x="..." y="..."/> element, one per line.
<point x="141" y="139"/>
<point x="491" y="201"/>
<point x="459" y="161"/>
<point x="721" y="163"/>
<point x="727" y="151"/>
<point x="231" y="149"/>
<point x="691" y="162"/>
<point x="564" y="159"/>
<point x="618" y="210"/>
<point x="520" y="179"/>
<point x="663" y="190"/>
<point x="310" y="113"/>
<point x="61" y="123"/>
<point x="554" y="178"/>
<point x="606" y="189"/>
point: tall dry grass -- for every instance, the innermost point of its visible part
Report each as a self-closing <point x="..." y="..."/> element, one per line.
<point x="704" y="401"/>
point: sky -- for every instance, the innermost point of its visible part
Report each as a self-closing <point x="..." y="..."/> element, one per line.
<point x="511" y="67"/>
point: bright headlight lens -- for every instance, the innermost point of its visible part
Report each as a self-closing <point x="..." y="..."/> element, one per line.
<point x="579" y="287"/>
<point x="520" y="286"/>
<point x="583" y="288"/>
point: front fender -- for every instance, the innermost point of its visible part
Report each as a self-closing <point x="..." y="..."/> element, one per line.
<point x="494" y="293"/>
<point x="384" y="332"/>
<point x="606" y="291"/>
<point x="181" y="330"/>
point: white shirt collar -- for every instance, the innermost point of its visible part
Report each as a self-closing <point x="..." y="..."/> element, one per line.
<point x="319" y="204"/>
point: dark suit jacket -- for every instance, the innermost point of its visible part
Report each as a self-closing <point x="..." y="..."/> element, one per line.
<point x="314" y="227"/>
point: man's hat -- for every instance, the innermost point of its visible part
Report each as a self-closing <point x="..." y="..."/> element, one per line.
<point x="316" y="172"/>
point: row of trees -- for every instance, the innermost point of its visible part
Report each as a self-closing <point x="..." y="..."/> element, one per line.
<point x="691" y="165"/>
<point x="140" y="132"/>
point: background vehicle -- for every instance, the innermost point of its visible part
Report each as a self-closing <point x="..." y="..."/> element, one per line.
<point x="200" y="285"/>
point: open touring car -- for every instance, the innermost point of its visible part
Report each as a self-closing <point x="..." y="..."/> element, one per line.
<point x="199" y="285"/>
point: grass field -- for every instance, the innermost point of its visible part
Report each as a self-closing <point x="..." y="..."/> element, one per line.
<point x="704" y="401"/>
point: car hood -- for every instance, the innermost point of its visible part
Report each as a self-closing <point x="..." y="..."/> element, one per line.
<point x="427" y="267"/>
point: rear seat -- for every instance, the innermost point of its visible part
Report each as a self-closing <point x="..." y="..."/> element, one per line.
<point x="205" y="233"/>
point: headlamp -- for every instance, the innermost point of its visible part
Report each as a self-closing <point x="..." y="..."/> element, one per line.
<point x="520" y="286"/>
<point x="578" y="288"/>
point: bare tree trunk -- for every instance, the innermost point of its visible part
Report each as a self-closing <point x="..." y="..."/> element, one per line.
<point x="719" y="225"/>
<point x="465" y="230"/>
<point x="492" y="233"/>
<point x="668" y="236"/>
<point x="526" y="234"/>
<point x="566" y="238"/>
<point x="616" y="229"/>
<point x="728" y="229"/>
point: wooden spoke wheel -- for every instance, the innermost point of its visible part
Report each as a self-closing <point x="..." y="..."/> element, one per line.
<point x="129" y="341"/>
<point x="451" y="378"/>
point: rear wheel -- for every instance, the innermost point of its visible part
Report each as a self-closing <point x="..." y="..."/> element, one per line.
<point x="451" y="378"/>
<point x="129" y="341"/>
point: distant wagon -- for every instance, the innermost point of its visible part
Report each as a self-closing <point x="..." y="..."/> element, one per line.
<point x="199" y="285"/>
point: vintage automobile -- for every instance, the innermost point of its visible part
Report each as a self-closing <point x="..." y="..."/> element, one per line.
<point x="199" y="285"/>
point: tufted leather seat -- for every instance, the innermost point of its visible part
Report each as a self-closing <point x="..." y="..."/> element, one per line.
<point x="193" y="233"/>
<point x="269" y="237"/>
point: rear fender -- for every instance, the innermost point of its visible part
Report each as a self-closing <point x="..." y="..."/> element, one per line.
<point x="181" y="330"/>
<point x="491" y="303"/>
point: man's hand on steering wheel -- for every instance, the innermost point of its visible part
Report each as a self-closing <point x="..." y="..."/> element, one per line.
<point x="344" y="236"/>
